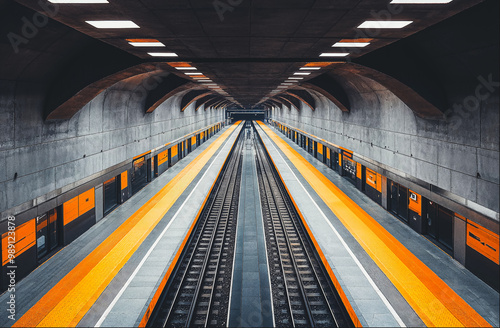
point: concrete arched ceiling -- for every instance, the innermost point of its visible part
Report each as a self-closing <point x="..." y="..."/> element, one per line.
<point x="439" y="56"/>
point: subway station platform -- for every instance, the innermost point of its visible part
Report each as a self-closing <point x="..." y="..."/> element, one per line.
<point x="111" y="274"/>
<point x="390" y="275"/>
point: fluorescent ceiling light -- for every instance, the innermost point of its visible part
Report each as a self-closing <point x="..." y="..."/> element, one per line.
<point x="113" y="24"/>
<point x="210" y="84"/>
<point x="186" y="68"/>
<point x="295" y="78"/>
<point x="204" y="80"/>
<point x="351" y="44"/>
<point x="301" y="73"/>
<point x="286" y="83"/>
<point x="193" y="73"/>
<point x="291" y="81"/>
<point x="147" y="44"/>
<point x="334" y="54"/>
<point x="78" y="1"/>
<point x="385" y="24"/>
<point x="282" y="87"/>
<point x="421" y="2"/>
<point x="162" y="54"/>
<point x="310" y="67"/>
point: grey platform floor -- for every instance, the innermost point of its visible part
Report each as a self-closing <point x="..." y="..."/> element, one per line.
<point x="372" y="310"/>
<point x="129" y="307"/>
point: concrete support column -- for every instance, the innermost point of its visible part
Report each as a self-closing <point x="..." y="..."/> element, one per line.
<point x="99" y="203"/>
<point x="459" y="239"/>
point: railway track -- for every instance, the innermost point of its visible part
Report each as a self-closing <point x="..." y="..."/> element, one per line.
<point x="198" y="291"/>
<point x="302" y="292"/>
<point x="198" y="294"/>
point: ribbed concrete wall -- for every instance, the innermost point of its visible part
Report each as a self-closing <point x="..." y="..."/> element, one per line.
<point x="112" y="128"/>
<point x="460" y="155"/>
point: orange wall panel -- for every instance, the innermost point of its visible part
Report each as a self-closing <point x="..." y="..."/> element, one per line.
<point x="70" y="210"/>
<point x="24" y="239"/>
<point x="484" y="241"/>
<point x="162" y="157"/>
<point x="124" y="180"/>
<point x="371" y="178"/>
<point x="415" y="204"/>
<point x="86" y="201"/>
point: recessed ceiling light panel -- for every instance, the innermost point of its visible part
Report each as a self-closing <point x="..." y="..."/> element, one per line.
<point x="301" y="73"/>
<point x="162" y="54"/>
<point x="113" y="24"/>
<point x="334" y="54"/>
<point x="78" y="1"/>
<point x="385" y="24"/>
<point x="147" y="44"/>
<point x="310" y="67"/>
<point x="350" y="44"/>
<point x="421" y="2"/>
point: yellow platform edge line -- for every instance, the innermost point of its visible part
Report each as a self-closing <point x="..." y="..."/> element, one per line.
<point x="445" y="308"/>
<point x="67" y="302"/>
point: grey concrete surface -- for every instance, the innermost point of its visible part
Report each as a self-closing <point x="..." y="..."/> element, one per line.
<point x="112" y="128"/>
<point x="459" y="154"/>
<point x="33" y="287"/>
<point x="484" y="299"/>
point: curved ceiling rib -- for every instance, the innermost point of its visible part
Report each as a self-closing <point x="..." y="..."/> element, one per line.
<point x="86" y="77"/>
<point x="426" y="103"/>
<point x="202" y="101"/>
<point x="213" y="101"/>
<point x="281" y="101"/>
<point x="288" y="101"/>
<point x="303" y="96"/>
<point x="192" y="96"/>
<point x="275" y="102"/>
<point x="168" y="87"/>
<point x="331" y="89"/>
<point x="217" y="103"/>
